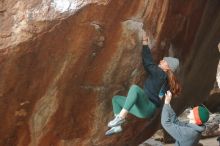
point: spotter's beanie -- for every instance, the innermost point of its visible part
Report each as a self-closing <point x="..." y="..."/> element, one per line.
<point x="201" y="114"/>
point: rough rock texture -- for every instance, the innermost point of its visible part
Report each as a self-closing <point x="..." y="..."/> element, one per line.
<point x="213" y="102"/>
<point x="218" y="75"/>
<point x="62" y="61"/>
<point x="25" y="19"/>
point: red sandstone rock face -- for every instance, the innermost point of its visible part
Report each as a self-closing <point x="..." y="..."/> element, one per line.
<point x="59" y="70"/>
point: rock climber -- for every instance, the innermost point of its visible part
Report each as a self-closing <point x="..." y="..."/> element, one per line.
<point x="143" y="103"/>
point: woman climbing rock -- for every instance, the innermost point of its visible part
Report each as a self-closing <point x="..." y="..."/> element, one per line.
<point x="143" y="103"/>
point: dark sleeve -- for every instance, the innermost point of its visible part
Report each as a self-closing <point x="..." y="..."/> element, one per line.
<point x="170" y="122"/>
<point x="148" y="62"/>
<point x="164" y="89"/>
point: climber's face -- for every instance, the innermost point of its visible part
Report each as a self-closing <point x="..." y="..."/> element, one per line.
<point x="163" y="65"/>
<point x="219" y="45"/>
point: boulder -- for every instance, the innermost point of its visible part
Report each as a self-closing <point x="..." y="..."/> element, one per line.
<point x="61" y="62"/>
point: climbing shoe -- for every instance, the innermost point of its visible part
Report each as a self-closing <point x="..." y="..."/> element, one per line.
<point x="113" y="130"/>
<point x="116" y="121"/>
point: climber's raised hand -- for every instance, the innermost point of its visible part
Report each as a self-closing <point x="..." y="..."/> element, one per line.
<point x="145" y="38"/>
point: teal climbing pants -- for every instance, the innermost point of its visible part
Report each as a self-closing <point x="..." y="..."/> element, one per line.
<point x="136" y="103"/>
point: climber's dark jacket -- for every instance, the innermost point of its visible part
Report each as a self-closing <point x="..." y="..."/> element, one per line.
<point x="157" y="80"/>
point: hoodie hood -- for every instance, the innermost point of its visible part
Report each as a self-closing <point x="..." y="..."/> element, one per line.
<point x="196" y="127"/>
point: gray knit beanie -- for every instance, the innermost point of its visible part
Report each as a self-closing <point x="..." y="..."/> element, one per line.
<point x="172" y="62"/>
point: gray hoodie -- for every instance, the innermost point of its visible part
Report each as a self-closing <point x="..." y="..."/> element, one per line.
<point x="185" y="134"/>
